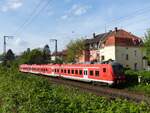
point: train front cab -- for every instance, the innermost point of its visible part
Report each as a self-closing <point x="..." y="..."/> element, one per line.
<point x="118" y="73"/>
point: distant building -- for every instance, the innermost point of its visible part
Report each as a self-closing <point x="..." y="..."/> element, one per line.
<point x="59" y="55"/>
<point x="118" y="45"/>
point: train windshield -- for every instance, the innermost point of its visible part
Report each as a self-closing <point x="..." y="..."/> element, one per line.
<point x="118" y="69"/>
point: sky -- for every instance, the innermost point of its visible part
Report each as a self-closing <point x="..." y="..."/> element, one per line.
<point x="34" y="22"/>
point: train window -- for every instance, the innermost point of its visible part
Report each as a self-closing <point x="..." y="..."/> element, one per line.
<point x="80" y="72"/>
<point x="58" y="70"/>
<point x="104" y="70"/>
<point x="76" y="71"/>
<point x="69" y="71"/>
<point x="96" y="73"/>
<point x="91" y="73"/>
<point x="55" y="70"/>
<point x="72" y="71"/>
<point x="65" y="71"/>
<point x="62" y="70"/>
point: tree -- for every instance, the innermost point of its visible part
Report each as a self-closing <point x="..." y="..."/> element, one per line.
<point x="46" y="49"/>
<point x="46" y="54"/>
<point x="75" y="50"/>
<point x="147" y="44"/>
<point x="35" y="57"/>
<point x="1" y="57"/>
<point x="10" y="56"/>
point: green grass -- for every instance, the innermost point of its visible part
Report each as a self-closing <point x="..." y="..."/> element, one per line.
<point x="23" y="93"/>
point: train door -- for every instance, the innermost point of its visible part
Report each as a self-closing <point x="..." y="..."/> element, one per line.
<point x="85" y="73"/>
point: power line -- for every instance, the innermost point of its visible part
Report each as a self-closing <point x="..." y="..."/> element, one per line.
<point x="127" y="17"/>
<point x="36" y="12"/>
<point x="30" y="16"/>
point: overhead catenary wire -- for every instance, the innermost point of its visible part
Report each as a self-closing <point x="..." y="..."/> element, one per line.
<point x="30" y="16"/>
<point x="35" y="13"/>
<point x="127" y="17"/>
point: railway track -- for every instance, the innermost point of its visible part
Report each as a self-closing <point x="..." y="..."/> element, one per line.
<point x="111" y="93"/>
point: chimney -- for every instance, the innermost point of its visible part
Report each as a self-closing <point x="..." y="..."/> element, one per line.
<point x="94" y="35"/>
<point x="116" y="29"/>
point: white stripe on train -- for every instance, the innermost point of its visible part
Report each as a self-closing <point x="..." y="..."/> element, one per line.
<point x="78" y="78"/>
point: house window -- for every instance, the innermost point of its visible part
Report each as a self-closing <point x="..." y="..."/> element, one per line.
<point x="135" y="66"/>
<point x="127" y="66"/>
<point x="127" y="57"/>
<point x="135" y="53"/>
<point x="102" y="58"/>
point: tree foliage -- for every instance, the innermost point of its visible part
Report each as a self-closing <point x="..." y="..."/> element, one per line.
<point x="10" y="55"/>
<point x="8" y="58"/>
<point x="75" y="50"/>
<point x="35" y="56"/>
<point x="46" y="54"/>
<point x="147" y="44"/>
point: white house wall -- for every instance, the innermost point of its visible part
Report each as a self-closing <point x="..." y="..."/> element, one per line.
<point x="118" y="53"/>
<point x="108" y="52"/>
<point x="135" y="55"/>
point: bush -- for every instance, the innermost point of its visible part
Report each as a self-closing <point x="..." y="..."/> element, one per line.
<point x="145" y="77"/>
<point x="23" y="93"/>
<point x="131" y="77"/>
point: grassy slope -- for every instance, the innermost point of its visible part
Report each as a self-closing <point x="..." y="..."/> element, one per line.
<point x="26" y="94"/>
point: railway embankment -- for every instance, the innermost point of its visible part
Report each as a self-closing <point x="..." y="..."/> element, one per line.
<point x="20" y="92"/>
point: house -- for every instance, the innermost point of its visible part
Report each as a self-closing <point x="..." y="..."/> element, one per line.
<point x="118" y="45"/>
<point x="60" y="55"/>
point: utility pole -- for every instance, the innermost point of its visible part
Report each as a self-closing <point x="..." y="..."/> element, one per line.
<point x="55" y="40"/>
<point x="105" y="28"/>
<point x="6" y="43"/>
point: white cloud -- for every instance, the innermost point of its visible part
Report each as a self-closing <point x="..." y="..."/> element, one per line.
<point x="20" y="42"/>
<point x="64" y="17"/>
<point x="76" y="10"/>
<point x="12" y="5"/>
<point x="79" y="9"/>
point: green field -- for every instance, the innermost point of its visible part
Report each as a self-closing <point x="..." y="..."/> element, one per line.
<point x="23" y="93"/>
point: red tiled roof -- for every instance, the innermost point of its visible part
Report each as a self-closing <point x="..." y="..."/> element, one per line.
<point x="117" y="37"/>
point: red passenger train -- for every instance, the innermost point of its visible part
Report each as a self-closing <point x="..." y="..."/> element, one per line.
<point x="105" y="73"/>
